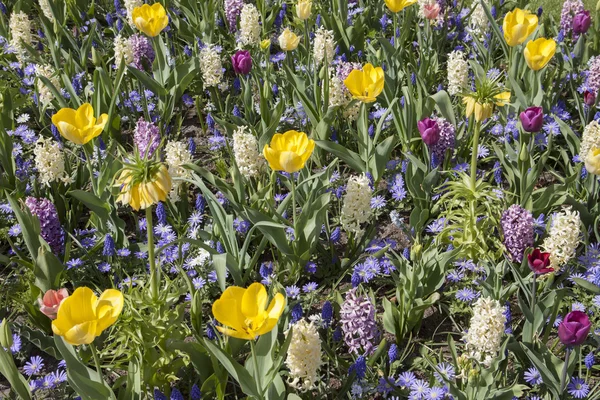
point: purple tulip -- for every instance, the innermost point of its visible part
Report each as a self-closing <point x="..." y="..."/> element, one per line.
<point x="574" y="329"/>
<point x="589" y="98"/>
<point x="532" y="119"/>
<point x="581" y="22"/>
<point x="430" y="131"/>
<point x="242" y="62"/>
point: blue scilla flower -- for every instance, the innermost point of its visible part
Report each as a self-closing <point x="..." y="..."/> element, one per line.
<point x="109" y="246"/>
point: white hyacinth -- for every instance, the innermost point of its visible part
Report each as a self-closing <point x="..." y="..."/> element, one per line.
<point x="458" y="72"/>
<point x="210" y="66"/>
<point x="49" y="161"/>
<point x="249" y="26"/>
<point x="338" y="94"/>
<point x="323" y="45"/>
<point x="245" y="150"/>
<point x="357" y="204"/>
<point x="486" y="329"/>
<point x="304" y="356"/>
<point x="176" y="156"/>
<point x="46" y="10"/>
<point x="589" y="139"/>
<point x="478" y="22"/>
<point x="563" y="238"/>
<point x="129" y="6"/>
<point x="20" y="32"/>
<point x="123" y="50"/>
<point x="45" y="95"/>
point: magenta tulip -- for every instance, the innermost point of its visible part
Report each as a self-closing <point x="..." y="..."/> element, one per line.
<point x="581" y="22"/>
<point x="242" y="62"/>
<point x="574" y="329"/>
<point x="430" y="131"/>
<point x="532" y="119"/>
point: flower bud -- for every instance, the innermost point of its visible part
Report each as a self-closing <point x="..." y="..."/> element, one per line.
<point x="592" y="161"/>
<point x="532" y="119"/>
<point x="51" y="301"/>
<point x="589" y="98"/>
<point x="431" y="11"/>
<point x="303" y="9"/>
<point x="6" y="339"/>
<point x="242" y="62"/>
<point x="574" y="329"/>
<point x="582" y="22"/>
<point x="430" y="131"/>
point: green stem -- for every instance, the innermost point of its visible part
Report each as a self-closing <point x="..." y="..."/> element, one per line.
<point x="256" y="372"/>
<point x="96" y="359"/>
<point x="88" y="162"/>
<point x="395" y="30"/>
<point x="563" y="378"/>
<point x="533" y="293"/>
<point x="154" y="271"/>
<point x="306" y="37"/>
<point x="474" y="152"/>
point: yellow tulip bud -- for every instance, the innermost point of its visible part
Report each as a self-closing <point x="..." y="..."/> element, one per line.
<point x="518" y="25"/>
<point x="79" y="126"/>
<point x="398" y="5"/>
<point x="244" y="312"/>
<point x="265" y="44"/>
<point x="288" y="41"/>
<point x="150" y="19"/>
<point x="289" y="151"/>
<point x="539" y="52"/>
<point x="592" y="161"/>
<point x="367" y="84"/>
<point x="303" y="9"/>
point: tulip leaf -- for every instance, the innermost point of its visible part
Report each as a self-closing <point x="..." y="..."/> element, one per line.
<point x="586" y="285"/>
<point x="348" y="156"/>
<point x="235" y="369"/>
<point x="444" y="105"/>
<point x="149" y="82"/>
<point x="9" y="370"/>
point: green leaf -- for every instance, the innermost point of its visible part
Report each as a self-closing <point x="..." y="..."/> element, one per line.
<point x="351" y="158"/>
<point x="444" y="105"/>
<point x="47" y="269"/>
<point x="149" y="82"/>
<point x="9" y="370"/>
<point x="587" y="285"/>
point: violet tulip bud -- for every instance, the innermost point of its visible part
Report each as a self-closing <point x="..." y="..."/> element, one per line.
<point x="581" y="22"/>
<point x="539" y="262"/>
<point x="430" y="131"/>
<point x="532" y="119"/>
<point x="51" y="301"/>
<point x="589" y="98"/>
<point x="242" y="62"/>
<point x="574" y="329"/>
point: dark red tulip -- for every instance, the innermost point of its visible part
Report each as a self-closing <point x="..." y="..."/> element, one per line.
<point x="532" y="119"/>
<point x="589" y="98"/>
<point x="574" y="329"/>
<point x="242" y="62"/>
<point x="539" y="262"/>
<point x="430" y="131"/>
<point x="581" y="22"/>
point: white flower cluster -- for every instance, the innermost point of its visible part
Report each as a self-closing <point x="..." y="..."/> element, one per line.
<point x="357" y="204"/>
<point x="249" y="26"/>
<point x="458" y="72"/>
<point x="50" y="161"/>
<point x="123" y="50"/>
<point x="20" y="32"/>
<point x="304" y="356"/>
<point x="478" y="23"/>
<point x="340" y="96"/>
<point x="210" y="66"/>
<point x="47" y="72"/>
<point x="46" y="10"/>
<point x="486" y="328"/>
<point x="563" y="238"/>
<point x="590" y="138"/>
<point x="323" y="45"/>
<point x="176" y="156"/>
<point x="245" y="150"/>
<point x="129" y="6"/>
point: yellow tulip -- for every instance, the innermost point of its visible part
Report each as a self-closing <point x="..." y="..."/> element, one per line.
<point x="139" y="193"/>
<point x="518" y="25"/>
<point x="288" y="41"/>
<point x="79" y="126"/>
<point x="150" y="19"/>
<point x="539" y="52"/>
<point x="244" y="312"/>
<point x="83" y="316"/>
<point x="303" y="9"/>
<point x="592" y="161"/>
<point x="367" y="84"/>
<point x="289" y="151"/>
<point x="398" y="5"/>
<point x="502" y="99"/>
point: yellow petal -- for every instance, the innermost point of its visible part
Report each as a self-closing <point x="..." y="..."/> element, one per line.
<point x="290" y="162"/>
<point x="228" y="309"/>
<point x="272" y="158"/>
<point x="84" y="116"/>
<point x="108" y="309"/>
<point x="84" y="333"/>
<point x="254" y="300"/>
<point x="234" y="333"/>
<point x="354" y="83"/>
<point x="70" y="132"/>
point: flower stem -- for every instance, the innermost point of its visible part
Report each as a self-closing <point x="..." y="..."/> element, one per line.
<point x="154" y="272"/>
<point x="474" y="156"/>
<point x="563" y="378"/>
<point x="533" y="293"/>
<point x="256" y="373"/>
<point x="96" y="359"/>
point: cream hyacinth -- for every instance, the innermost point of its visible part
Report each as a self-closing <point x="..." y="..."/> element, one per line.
<point x="486" y="329"/>
<point x="590" y="138"/>
<point x="249" y="26"/>
<point x="563" y="238"/>
<point x="245" y="149"/>
<point x="50" y="161"/>
<point x="123" y="50"/>
<point x="304" y="356"/>
<point x="129" y="6"/>
<point x="20" y="33"/>
<point x="478" y="22"/>
<point x="458" y="72"/>
<point x="46" y="10"/>
<point x="176" y="156"/>
<point x="357" y="204"/>
<point x="210" y="66"/>
<point x="45" y="95"/>
<point x="323" y="46"/>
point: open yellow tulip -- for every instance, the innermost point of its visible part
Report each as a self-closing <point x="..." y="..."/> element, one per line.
<point x="592" y="161"/>
<point x="244" y="312"/>
<point x="141" y="193"/>
<point x="289" y="151"/>
<point x="398" y="5"/>
<point x="288" y="40"/>
<point x="539" y="52"/>
<point x="79" y="126"/>
<point x="367" y="84"/>
<point x="83" y="316"/>
<point x="150" y="19"/>
<point x="518" y="25"/>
